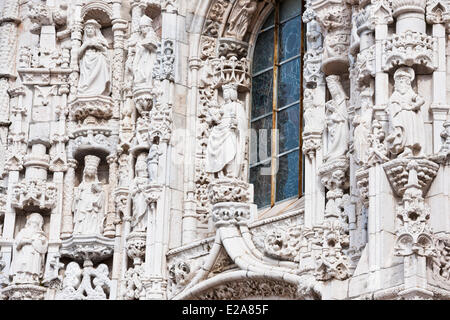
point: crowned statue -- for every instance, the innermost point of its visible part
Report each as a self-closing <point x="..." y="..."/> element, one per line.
<point x="95" y="77"/>
<point x="145" y="56"/>
<point x="29" y="253"/>
<point x="407" y="136"/>
<point x="226" y="143"/>
<point x="89" y="202"/>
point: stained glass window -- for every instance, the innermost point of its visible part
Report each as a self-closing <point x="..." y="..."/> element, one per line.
<point x="275" y="158"/>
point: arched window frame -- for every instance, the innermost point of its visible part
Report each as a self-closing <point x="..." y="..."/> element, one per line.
<point x="275" y="68"/>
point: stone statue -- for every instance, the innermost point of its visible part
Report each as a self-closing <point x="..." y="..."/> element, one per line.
<point x="336" y="119"/>
<point x="145" y="56"/>
<point x="363" y="127"/>
<point x="407" y="136"/>
<point x="312" y="115"/>
<point x="29" y="254"/>
<point x="226" y="144"/>
<point x="153" y="161"/>
<point x="95" y="78"/>
<point x="240" y="19"/>
<point x="140" y="206"/>
<point x="89" y="203"/>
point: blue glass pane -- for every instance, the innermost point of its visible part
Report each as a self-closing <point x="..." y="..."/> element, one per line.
<point x="289" y="128"/>
<point x="290" y="39"/>
<point x="261" y="184"/>
<point x="289" y="9"/>
<point x="263" y="55"/>
<point x="269" y="21"/>
<point x="262" y="93"/>
<point x="261" y="140"/>
<point x="287" y="176"/>
<point x="289" y="83"/>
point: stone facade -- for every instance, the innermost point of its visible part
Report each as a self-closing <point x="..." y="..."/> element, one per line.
<point x="124" y="152"/>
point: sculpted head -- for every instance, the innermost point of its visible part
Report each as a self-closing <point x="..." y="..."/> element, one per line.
<point x="145" y="24"/>
<point x="35" y="221"/>
<point x="90" y="28"/>
<point x="230" y="92"/>
<point x="90" y="166"/>
<point x="403" y="78"/>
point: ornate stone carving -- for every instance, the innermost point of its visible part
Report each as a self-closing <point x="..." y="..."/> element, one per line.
<point x="87" y="248"/>
<point x="133" y="287"/>
<point x="411" y="49"/>
<point x="230" y="213"/>
<point x="437" y="11"/>
<point x="228" y="190"/>
<point x="251" y="288"/>
<point x="440" y="263"/>
<point x="34" y="192"/>
<point x="413" y="230"/>
<point x="285" y="244"/>
<point x="96" y="106"/>
<point x="86" y="283"/>
<point x="164" y="68"/>
<point x="240" y="19"/>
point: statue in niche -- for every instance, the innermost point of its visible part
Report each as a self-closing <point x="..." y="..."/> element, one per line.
<point x="153" y="160"/>
<point x="29" y="253"/>
<point x="363" y="127"/>
<point x="226" y="143"/>
<point x="95" y="78"/>
<point x="89" y="203"/>
<point x="313" y="116"/>
<point x="336" y="119"/>
<point x="145" y="56"/>
<point x="240" y="19"/>
<point x="407" y="137"/>
<point x="140" y="206"/>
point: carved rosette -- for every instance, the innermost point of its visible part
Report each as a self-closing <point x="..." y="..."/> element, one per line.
<point x="230" y="213"/>
<point x="286" y="243"/>
<point x="136" y="247"/>
<point x="36" y="193"/>
<point x="410" y="49"/>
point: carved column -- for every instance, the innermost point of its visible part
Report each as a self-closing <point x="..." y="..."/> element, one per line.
<point x="189" y="212"/>
<point x="76" y="36"/>
<point x="439" y="106"/>
<point x="110" y="229"/>
<point x="69" y="184"/>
